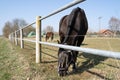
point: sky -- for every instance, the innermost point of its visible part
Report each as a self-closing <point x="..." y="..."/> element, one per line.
<point x="29" y="9"/>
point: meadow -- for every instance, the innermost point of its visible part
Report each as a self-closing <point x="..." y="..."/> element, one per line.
<point x="19" y="64"/>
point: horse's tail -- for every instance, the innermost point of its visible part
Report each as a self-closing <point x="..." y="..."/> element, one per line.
<point x="84" y="22"/>
<point x="71" y="22"/>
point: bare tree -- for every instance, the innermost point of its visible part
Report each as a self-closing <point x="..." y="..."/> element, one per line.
<point x="28" y="30"/>
<point x="48" y="29"/>
<point x="7" y="29"/>
<point x="16" y="25"/>
<point x="114" y="24"/>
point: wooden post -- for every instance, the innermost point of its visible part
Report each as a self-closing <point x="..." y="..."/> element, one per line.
<point x="10" y="37"/>
<point x="21" y="38"/>
<point x="16" y="40"/>
<point x="38" y="38"/>
<point x="13" y="38"/>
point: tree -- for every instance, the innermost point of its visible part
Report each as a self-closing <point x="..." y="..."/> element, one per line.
<point x="48" y="29"/>
<point x="7" y="29"/>
<point x="16" y="25"/>
<point x="27" y="30"/>
<point x="114" y="24"/>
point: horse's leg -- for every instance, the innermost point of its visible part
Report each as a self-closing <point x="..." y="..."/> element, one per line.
<point x="77" y="41"/>
<point x="80" y="40"/>
<point x="52" y="36"/>
<point x="74" y="54"/>
<point x="46" y="38"/>
<point x="62" y="38"/>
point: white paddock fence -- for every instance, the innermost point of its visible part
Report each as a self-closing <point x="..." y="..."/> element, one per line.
<point x="13" y="37"/>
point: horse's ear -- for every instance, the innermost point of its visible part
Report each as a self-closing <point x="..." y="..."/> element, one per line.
<point x="58" y="41"/>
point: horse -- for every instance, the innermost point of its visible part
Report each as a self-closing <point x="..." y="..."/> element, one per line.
<point x="48" y="35"/>
<point x="72" y="29"/>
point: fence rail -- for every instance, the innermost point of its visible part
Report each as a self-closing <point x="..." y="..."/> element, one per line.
<point x="38" y="41"/>
<point x="63" y="8"/>
<point x="115" y="55"/>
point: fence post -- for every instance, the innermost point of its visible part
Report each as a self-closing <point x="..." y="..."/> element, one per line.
<point x="16" y="40"/>
<point x="38" y="38"/>
<point x="10" y="37"/>
<point x="13" y="38"/>
<point x="21" y="38"/>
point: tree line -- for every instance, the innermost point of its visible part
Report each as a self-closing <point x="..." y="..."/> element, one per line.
<point x="9" y="27"/>
<point x="114" y="25"/>
<point x="16" y="24"/>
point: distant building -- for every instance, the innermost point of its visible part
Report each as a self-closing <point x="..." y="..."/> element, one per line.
<point x="106" y="32"/>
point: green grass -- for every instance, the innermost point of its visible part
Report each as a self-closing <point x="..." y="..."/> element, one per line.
<point x="19" y="64"/>
<point x="4" y="54"/>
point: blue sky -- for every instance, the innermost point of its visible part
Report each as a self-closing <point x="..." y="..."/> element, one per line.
<point x="29" y="9"/>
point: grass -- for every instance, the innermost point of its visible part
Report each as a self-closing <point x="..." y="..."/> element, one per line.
<point x="19" y="64"/>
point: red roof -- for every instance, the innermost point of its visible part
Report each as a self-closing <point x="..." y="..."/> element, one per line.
<point x="105" y="30"/>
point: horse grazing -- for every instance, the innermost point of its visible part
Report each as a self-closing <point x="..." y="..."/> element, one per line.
<point x="72" y="29"/>
<point x="48" y="35"/>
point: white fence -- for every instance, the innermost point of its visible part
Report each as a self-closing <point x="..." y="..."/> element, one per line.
<point x="13" y="36"/>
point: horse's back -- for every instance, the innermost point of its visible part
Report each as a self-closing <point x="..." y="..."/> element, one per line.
<point x="74" y="25"/>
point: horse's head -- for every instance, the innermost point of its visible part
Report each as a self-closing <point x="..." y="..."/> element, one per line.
<point x="64" y="60"/>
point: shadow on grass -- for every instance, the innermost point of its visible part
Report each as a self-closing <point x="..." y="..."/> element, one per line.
<point x="92" y="60"/>
<point x="49" y="61"/>
<point x="112" y="66"/>
<point x="49" y="48"/>
<point x="29" y="46"/>
<point x="84" y="44"/>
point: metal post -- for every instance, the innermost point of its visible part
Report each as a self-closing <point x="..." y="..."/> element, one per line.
<point x="21" y="38"/>
<point x="38" y="38"/>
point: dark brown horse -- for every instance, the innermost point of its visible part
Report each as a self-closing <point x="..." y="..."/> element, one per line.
<point x="72" y="29"/>
<point x="48" y="35"/>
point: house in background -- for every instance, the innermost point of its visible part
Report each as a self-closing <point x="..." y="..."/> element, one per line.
<point x="106" y="32"/>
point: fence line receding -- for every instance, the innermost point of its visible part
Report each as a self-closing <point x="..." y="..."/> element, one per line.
<point x="38" y="41"/>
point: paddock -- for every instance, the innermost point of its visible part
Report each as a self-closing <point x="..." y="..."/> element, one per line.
<point x="98" y="57"/>
<point x="96" y="50"/>
<point x="89" y="66"/>
<point x="38" y="41"/>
